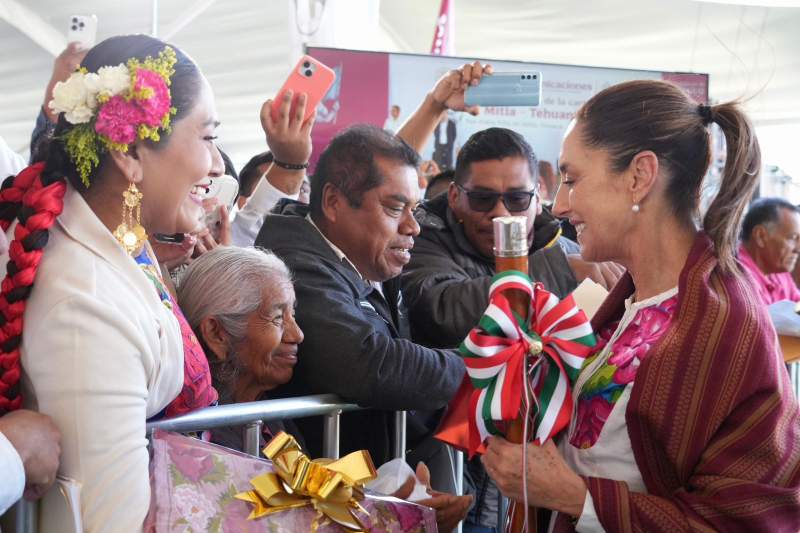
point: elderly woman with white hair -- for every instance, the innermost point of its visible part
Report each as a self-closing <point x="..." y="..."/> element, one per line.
<point x="240" y="304"/>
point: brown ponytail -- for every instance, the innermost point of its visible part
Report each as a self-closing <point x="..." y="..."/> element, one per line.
<point x="634" y="116"/>
<point x="739" y="180"/>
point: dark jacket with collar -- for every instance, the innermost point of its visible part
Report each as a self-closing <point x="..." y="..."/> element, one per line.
<point x="353" y="345"/>
<point x="446" y="284"/>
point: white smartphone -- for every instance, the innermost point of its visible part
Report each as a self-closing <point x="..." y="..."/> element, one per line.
<point x="82" y="28"/>
<point x="224" y="189"/>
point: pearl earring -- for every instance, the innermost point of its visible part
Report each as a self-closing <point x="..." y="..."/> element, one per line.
<point x="635" y="208"/>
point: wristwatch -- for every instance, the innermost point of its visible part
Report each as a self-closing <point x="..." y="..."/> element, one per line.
<point x="290" y="166"/>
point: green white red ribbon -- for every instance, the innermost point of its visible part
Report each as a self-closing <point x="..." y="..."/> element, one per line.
<point x="553" y="341"/>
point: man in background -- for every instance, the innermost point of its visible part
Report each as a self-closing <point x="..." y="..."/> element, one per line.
<point x="346" y="250"/>
<point x="770" y="247"/>
<point x="548" y="182"/>
<point x="250" y="174"/>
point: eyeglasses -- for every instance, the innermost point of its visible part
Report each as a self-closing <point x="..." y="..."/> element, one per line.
<point x="484" y="201"/>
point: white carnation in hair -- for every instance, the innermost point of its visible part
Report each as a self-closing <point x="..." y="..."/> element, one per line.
<point x="70" y="97"/>
<point x="113" y="80"/>
<point x="92" y="82"/>
<point x="80" y="114"/>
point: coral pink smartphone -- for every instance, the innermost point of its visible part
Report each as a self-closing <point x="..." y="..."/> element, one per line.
<point x="308" y="76"/>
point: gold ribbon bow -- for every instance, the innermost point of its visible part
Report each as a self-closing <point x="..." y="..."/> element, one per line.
<point x="333" y="488"/>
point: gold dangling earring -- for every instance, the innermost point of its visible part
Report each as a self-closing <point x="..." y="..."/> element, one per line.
<point x="131" y="234"/>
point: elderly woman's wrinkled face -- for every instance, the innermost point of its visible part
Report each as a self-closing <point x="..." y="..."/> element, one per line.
<point x="268" y="353"/>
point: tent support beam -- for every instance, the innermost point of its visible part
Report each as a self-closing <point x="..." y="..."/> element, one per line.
<point x="33" y="26"/>
<point x="394" y="35"/>
<point x="186" y="18"/>
<point x="154" y="18"/>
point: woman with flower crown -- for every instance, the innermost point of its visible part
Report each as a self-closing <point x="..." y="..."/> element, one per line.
<point x="103" y="345"/>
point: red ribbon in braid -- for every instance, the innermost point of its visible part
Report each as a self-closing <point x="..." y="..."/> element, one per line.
<point x="42" y="204"/>
<point x="14" y="189"/>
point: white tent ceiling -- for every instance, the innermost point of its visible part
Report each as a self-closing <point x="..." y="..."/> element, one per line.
<point x="245" y="46"/>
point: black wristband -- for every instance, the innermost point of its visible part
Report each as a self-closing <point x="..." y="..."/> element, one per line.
<point x="290" y="166"/>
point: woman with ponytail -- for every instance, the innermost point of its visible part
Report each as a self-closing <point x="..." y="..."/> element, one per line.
<point x="88" y="333"/>
<point x="684" y="418"/>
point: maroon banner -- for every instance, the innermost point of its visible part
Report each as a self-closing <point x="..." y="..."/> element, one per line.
<point x="359" y="95"/>
<point x="695" y="85"/>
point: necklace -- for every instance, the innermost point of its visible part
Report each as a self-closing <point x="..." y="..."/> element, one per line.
<point x="150" y="270"/>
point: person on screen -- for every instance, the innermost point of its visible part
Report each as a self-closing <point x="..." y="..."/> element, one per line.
<point x="444" y="142"/>
<point x="393" y="122"/>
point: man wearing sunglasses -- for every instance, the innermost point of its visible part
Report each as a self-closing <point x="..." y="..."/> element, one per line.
<point x="446" y="283"/>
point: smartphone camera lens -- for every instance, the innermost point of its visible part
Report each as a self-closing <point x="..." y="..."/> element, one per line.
<point x="534" y="76"/>
<point x="81" y="24"/>
<point x="74" y="20"/>
<point x="529" y="76"/>
<point x="307" y="69"/>
<point x="522" y="77"/>
<point x="74" y="27"/>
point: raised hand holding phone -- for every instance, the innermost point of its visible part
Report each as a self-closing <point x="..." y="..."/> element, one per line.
<point x="289" y="137"/>
<point x="82" y="29"/>
<point x="447" y="93"/>
<point x="309" y="76"/>
<point x="450" y="89"/>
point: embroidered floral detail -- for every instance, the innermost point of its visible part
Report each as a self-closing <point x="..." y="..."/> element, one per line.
<point x="605" y="386"/>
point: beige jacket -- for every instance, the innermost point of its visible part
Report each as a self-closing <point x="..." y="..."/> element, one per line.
<point x="100" y="354"/>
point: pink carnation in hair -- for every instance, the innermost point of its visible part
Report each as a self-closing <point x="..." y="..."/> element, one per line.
<point x="155" y="107"/>
<point x="118" y="119"/>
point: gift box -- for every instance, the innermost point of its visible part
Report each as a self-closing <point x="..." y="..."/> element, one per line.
<point x="194" y="484"/>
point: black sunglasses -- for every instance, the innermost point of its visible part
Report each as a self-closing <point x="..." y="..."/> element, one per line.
<point x="484" y="201"/>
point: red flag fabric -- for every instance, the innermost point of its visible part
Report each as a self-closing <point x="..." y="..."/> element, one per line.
<point x="444" y="34"/>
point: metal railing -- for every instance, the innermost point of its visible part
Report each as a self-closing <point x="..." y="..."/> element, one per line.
<point x="251" y="415"/>
<point x="794" y="375"/>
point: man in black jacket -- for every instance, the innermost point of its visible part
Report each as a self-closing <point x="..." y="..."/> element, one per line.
<point x="446" y="284"/>
<point x="346" y="250"/>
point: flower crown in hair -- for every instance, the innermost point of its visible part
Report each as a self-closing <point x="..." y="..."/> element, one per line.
<point x="114" y="107"/>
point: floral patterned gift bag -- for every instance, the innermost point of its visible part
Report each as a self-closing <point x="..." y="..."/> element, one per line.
<point x="194" y="483"/>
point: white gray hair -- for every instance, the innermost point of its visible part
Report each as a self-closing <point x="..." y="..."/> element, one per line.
<point x="227" y="283"/>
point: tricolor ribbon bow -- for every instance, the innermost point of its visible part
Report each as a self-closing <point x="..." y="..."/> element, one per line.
<point x="333" y="488"/>
<point x="505" y="353"/>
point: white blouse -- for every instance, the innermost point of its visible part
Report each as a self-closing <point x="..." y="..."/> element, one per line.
<point x="100" y="355"/>
<point x="611" y="457"/>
